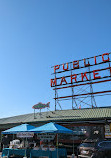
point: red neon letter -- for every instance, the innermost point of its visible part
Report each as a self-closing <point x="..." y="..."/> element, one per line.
<point x="63" y="66"/>
<point x="56" y="67"/>
<point x="84" y="75"/>
<point x="53" y="82"/>
<point x="76" y="63"/>
<point x="74" y="77"/>
<point x="103" y="57"/>
<point x="95" y="59"/>
<point x="63" y="80"/>
<point x="85" y="63"/>
<point x="94" y="74"/>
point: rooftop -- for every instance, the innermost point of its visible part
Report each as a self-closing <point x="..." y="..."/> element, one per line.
<point x="62" y="115"/>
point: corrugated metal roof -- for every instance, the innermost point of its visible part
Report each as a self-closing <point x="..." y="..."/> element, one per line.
<point x="66" y="115"/>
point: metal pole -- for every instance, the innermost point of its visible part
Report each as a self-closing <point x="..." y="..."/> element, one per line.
<point x="91" y="91"/>
<point x="34" y="113"/>
<point x="55" y="93"/>
<point x="25" y="156"/>
<point x="57" y="146"/>
<point x="73" y="98"/>
<point x="56" y="96"/>
<point x="73" y="143"/>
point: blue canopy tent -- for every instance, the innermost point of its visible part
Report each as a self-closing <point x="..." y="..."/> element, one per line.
<point x="52" y="128"/>
<point x="18" y="129"/>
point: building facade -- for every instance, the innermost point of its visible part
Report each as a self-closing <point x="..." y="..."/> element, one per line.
<point x="86" y="123"/>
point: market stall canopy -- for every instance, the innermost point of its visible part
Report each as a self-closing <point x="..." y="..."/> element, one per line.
<point x="51" y="128"/>
<point x="18" y="129"/>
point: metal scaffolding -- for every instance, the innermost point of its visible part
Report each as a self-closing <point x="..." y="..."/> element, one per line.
<point x="82" y="92"/>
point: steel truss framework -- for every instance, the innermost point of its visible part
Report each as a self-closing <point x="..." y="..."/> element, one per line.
<point x="82" y="91"/>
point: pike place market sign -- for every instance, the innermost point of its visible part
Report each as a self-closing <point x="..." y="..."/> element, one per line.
<point x="95" y="69"/>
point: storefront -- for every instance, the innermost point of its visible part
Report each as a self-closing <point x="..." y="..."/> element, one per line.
<point x="86" y="123"/>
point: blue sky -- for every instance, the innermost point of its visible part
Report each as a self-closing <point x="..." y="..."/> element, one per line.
<point x="37" y="34"/>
